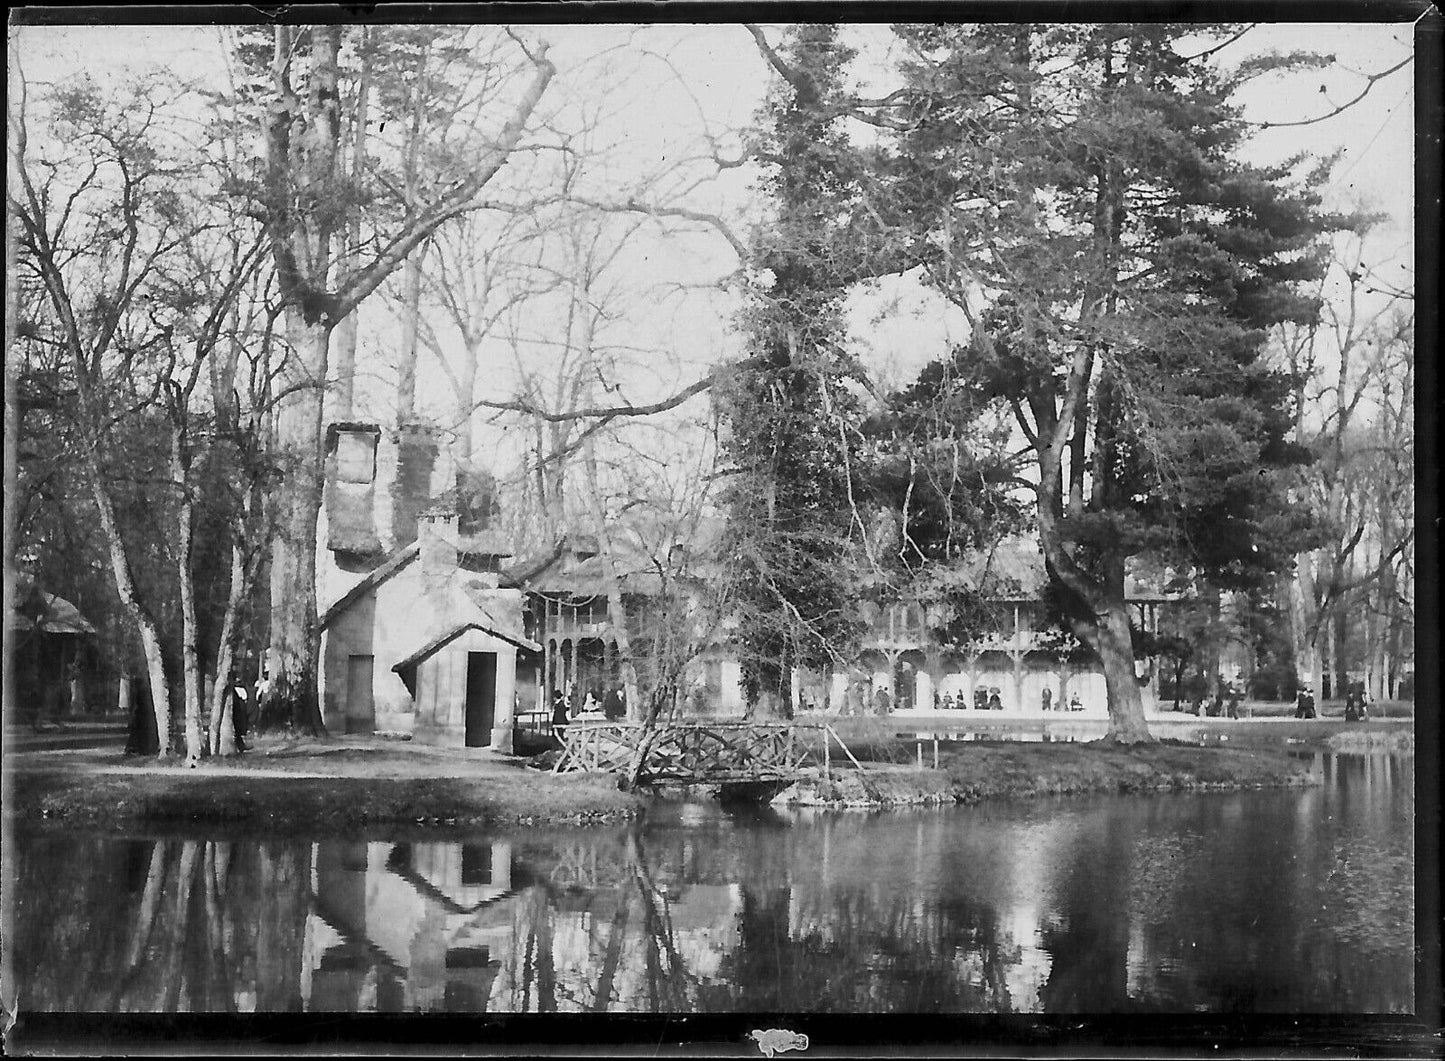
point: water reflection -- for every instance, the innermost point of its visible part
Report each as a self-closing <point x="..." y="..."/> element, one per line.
<point x="1262" y="901"/>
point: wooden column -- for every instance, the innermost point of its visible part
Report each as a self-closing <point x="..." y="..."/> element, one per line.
<point x="1018" y="659"/>
<point x="573" y="673"/>
<point x="549" y="655"/>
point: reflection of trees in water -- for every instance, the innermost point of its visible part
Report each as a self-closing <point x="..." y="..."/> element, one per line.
<point x="876" y="953"/>
<point x="1087" y="939"/>
<point x="1265" y="902"/>
<point x="1262" y="902"/>
<point x="632" y="959"/>
<point x="159" y="925"/>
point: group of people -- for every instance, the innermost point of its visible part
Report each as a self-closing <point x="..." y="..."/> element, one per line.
<point x="989" y="700"/>
<point x="981" y="701"/>
<point x="1226" y="703"/>
<point x="611" y="703"/>
<point x="1075" y="704"/>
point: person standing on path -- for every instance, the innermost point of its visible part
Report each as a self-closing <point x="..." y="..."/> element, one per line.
<point x="559" y="713"/>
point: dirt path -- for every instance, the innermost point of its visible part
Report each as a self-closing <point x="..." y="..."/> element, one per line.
<point x="344" y="757"/>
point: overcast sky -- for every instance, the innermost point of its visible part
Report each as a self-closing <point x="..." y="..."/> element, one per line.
<point x="668" y="86"/>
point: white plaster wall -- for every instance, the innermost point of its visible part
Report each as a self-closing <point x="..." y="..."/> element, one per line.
<point x="350" y="634"/>
<point x="923" y="690"/>
<point x="731" y="696"/>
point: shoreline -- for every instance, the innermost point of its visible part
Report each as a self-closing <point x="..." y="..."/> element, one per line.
<point x="1005" y="771"/>
<point x="353" y="785"/>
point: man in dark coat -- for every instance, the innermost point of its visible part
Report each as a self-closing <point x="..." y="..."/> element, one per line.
<point x="613" y="704"/>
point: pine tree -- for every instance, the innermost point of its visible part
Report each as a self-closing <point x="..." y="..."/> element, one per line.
<point x="1080" y="192"/>
<point x="789" y="419"/>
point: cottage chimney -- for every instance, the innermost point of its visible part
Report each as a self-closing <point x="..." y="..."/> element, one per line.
<point x="411" y="482"/>
<point x="437" y="534"/>
<point x="350" y="490"/>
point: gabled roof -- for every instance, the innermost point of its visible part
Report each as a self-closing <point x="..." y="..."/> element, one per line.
<point x="592" y="578"/>
<point x="442" y="640"/>
<point x="375" y="577"/>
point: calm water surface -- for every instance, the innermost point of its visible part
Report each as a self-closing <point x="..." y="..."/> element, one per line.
<point x="1259" y="901"/>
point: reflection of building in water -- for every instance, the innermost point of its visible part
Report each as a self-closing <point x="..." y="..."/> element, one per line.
<point x="406" y="927"/>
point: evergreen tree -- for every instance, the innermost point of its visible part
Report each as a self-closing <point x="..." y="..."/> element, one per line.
<point x="1080" y="192"/>
<point x="790" y="421"/>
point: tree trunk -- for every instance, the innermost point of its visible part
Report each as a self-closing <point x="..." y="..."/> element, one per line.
<point x="1339" y="632"/>
<point x="343" y="387"/>
<point x="125" y="589"/>
<point x="465" y="406"/>
<point x="292" y="698"/>
<point x="1107" y="632"/>
<point x="223" y="727"/>
<point x="1113" y="644"/>
<point x="410" y="317"/>
<point x="185" y="542"/>
<point x="1215" y="642"/>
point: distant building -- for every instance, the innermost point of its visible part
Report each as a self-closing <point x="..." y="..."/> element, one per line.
<point x="49" y="638"/>
<point x="582" y="647"/>
<point x="1020" y="659"/>
<point x="902" y="666"/>
<point x="428" y="630"/>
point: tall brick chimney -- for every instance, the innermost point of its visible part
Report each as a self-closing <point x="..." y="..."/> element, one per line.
<point x="411" y="489"/>
<point x="437" y="534"/>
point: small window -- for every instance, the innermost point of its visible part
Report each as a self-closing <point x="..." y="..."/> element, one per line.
<point x="355" y="457"/>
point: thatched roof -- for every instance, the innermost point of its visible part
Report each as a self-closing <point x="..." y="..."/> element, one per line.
<point x="37" y="610"/>
<point x="1013" y="569"/>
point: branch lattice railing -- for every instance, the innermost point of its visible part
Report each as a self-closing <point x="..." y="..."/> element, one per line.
<point x="694" y="752"/>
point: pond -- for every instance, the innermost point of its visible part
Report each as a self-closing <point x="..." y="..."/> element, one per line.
<point x="1278" y="901"/>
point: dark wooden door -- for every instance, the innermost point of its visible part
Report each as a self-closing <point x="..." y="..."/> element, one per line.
<point x="360" y="707"/>
<point x="481" y="697"/>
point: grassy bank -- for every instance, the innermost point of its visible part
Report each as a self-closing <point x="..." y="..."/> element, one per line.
<point x="342" y="785"/>
<point x="978" y="771"/>
<point x="356" y="786"/>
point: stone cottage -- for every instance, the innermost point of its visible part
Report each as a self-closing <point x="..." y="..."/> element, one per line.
<point x="420" y="637"/>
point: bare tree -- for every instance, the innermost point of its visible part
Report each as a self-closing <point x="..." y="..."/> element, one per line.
<point x="305" y="207"/>
<point x="1354" y="413"/>
<point x="99" y="220"/>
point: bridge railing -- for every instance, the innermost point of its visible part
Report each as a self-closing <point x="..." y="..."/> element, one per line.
<point x="694" y="751"/>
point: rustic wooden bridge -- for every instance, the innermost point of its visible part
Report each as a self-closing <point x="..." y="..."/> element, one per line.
<point x="745" y="759"/>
